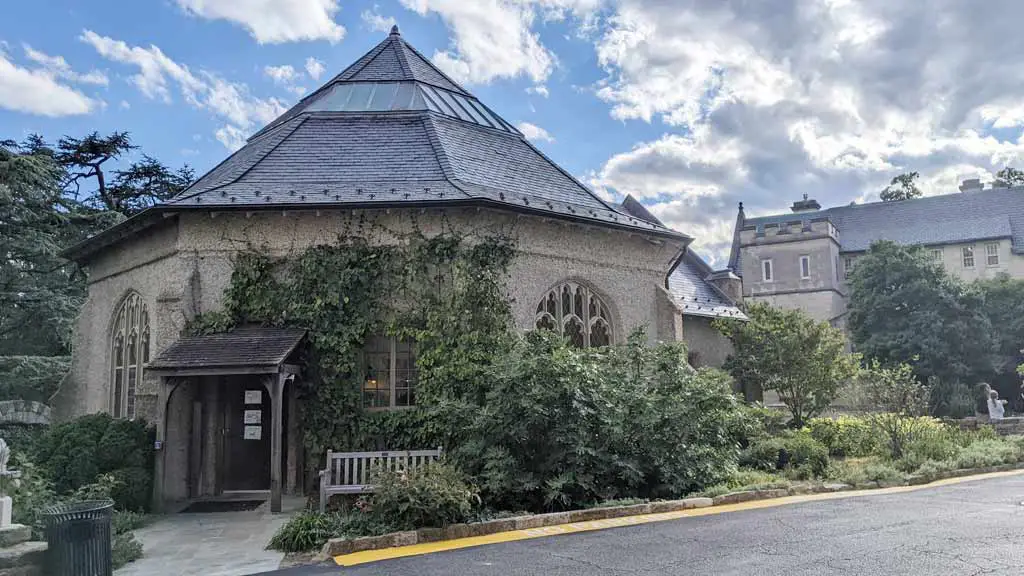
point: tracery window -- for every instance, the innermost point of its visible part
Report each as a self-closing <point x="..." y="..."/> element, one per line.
<point x="129" y="353"/>
<point x="575" y="312"/>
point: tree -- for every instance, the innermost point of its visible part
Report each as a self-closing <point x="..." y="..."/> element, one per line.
<point x="38" y="298"/>
<point x="127" y="191"/>
<point x="1009" y="177"/>
<point x="904" y="308"/>
<point x="1003" y="298"/>
<point x="899" y="401"/>
<point x="902" y="187"/>
<point x="786" y="351"/>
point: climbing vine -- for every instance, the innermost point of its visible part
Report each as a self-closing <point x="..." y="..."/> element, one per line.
<point x="446" y="292"/>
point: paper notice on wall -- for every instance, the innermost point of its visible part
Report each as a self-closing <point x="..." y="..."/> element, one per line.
<point x="253" y="396"/>
<point x="253" y="417"/>
<point x="253" y="432"/>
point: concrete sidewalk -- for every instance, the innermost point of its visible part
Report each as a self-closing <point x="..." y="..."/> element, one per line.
<point x="218" y="544"/>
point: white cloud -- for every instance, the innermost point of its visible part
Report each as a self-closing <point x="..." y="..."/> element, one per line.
<point x="39" y="92"/>
<point x="534" y="132"/>
<point x="540" y="90"/>
<point x="374" y="21"/>
<point x="282" y="75"/>
<point x="314" y="68"/>
<point x="59" y="68"/>
<point x="158" y="74"/>
<point x="274" y="21"/>
<point x="494" y="38"/>
<point x="763" y="102"/>
<point x="125" y="105"/>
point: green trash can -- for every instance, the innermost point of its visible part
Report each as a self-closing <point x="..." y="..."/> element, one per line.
<point x="78" y="538"/>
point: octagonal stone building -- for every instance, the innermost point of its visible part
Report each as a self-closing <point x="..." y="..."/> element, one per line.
<point x="391" y="140"/>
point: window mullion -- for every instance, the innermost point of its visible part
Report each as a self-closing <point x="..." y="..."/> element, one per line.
<point x="394" y="372"/>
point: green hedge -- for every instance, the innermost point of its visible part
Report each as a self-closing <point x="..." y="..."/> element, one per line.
<point x="789" y="451"/>
<point x="75" y="453"/>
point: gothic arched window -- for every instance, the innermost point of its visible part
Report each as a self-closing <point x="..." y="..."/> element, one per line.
<point x="575" y="312"/>
<point x="129" y="352"/>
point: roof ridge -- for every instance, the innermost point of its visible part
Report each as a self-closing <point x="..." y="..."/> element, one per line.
<point x="461" y="89"/>
<point x="403" y="62"/>
<point x="361" y="63"/>
<point x="439" y="153"/>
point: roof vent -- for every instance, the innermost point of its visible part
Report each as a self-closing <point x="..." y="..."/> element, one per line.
<point x="971" y="185"/>
<point x="805" y="205"/>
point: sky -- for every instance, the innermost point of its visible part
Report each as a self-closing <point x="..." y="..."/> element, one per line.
<point x="689" y="105"/>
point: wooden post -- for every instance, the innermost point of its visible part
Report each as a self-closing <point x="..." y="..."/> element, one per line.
<point x="294" y="442"/>
<point x="276" y="410"/>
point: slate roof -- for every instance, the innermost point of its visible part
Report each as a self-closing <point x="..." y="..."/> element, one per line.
<point x="390" y="131"/>
<point x="245" y="347"/>
<point x="437" y="146"/>
<point x="951" y="218"/>
<point x="688" y="282"/>
<point x="698" y="297"/>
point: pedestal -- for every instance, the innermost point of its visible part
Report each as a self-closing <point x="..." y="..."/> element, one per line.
<point x="5" y="512"/>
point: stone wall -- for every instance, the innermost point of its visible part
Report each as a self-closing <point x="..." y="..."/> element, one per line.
<point x="24" y="412"/>
<point x="706" y="345"/>
<point x="1012" y="426"/>
<point x="181" y="269"/>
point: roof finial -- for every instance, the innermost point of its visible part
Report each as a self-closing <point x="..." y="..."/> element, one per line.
<point x="394" y="31"/>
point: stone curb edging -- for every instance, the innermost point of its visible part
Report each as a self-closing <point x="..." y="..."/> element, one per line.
<point x="342" y="546"/>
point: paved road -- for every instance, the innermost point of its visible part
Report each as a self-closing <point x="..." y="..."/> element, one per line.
<point x="965" y="529"/>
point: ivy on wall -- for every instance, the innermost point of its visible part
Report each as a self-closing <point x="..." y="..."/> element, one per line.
<point x="445" y="291"/>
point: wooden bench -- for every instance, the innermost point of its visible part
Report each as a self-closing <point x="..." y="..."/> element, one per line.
<point x="349" y="472"/>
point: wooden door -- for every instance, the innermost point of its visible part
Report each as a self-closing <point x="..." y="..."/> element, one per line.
<point x="247" y="437"/>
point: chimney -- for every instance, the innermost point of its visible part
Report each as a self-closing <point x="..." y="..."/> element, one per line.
<point x="971" y="185"/>
<point x="805" y="205"/>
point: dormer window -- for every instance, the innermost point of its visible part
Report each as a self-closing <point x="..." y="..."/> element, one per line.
<point x="767" y="273"/>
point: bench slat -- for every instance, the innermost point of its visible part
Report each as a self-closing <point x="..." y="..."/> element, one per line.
<point x="349" y="472"/>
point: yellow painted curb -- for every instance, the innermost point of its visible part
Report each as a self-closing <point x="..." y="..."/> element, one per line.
<point x="367" y="556"/>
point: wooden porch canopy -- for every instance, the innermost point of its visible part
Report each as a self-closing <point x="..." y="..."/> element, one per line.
<point x="245" y="350"/>
<point x="251" y="350"/>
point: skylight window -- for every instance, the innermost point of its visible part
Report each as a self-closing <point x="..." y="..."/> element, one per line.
<point x="385" y="96"/>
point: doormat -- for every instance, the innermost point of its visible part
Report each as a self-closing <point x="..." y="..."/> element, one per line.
<point x="211" y="506"/>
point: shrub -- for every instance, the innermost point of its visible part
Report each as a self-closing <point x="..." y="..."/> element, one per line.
<point x="559" y="427"/>
<point x="756" y="421"/>
<point x="306" y="531"/>
<point x="22" y="437"/>
<point x="124" y="549"/>
<point x="987" y="453"/>
<point x="846" y="436"/>
<point x="75" y="453"/>
<point x="900" y="401"/>
<point x="933" y="470"/>
<point x="432" y="495"/>
<point x="861" y="471"/>
<point x="30" y="494"/>
<point x="123" y="522"/>
<point x="791" y="450"/>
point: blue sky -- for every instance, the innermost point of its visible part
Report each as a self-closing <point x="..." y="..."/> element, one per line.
<point x="691" y="105"/>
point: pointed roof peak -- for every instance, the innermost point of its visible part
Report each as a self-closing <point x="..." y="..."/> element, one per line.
<point x="394" y="31"/>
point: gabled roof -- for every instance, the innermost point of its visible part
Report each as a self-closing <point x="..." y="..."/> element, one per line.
<point x="933" y="220"/>
<point x="392" y="130"/>
<point x="689" y="284"/>
<point x="246" y="348"/>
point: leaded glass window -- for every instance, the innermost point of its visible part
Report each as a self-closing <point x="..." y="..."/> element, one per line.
<point x="129" y="343"/>
<point x="575" y="312"/>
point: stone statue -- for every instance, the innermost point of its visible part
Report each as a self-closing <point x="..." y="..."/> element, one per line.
<point x="996" y="407"/>
<point x="5" y="455"/>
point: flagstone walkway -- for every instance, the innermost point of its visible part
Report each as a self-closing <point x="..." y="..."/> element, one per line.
<point x="218" y="544"/>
